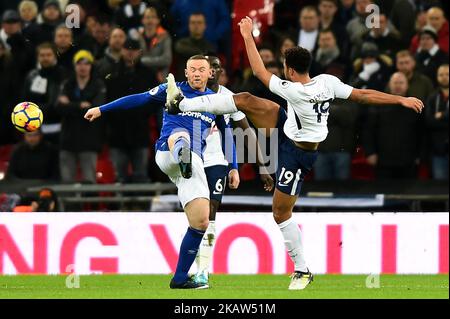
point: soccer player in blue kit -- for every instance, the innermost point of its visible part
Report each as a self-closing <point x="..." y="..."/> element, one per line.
<point x="179" y="155"/>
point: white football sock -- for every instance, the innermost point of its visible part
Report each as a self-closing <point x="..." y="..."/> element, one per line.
<point x="218" y="104"/>
<point x="293" y="241"/>
<point x="204" y="255"/>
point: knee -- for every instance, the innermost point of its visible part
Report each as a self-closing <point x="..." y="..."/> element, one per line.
<point x="201" y="224"/>
<point x="281" y="213"/>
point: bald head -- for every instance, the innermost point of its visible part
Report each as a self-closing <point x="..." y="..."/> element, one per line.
<point x="398" y="84"/>
<point x="436" y="18"/>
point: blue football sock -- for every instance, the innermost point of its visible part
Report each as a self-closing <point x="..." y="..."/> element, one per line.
<point x="188" y="251"/>
<point x="179" y="144"/>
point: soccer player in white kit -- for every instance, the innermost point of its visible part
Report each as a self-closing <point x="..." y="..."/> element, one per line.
<point x="218" y="170"/>
<point x="299" y="132"/>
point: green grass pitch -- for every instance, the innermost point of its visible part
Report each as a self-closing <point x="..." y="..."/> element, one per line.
<point x="225" y="287"/>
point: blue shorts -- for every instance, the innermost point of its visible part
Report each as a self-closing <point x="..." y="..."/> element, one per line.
<point x="293" y="162"/>
<point x="217" y="181"/>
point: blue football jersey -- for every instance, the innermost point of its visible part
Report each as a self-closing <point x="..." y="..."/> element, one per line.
<point x="197" y="124"/>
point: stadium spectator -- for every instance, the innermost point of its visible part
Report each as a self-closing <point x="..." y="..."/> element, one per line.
<point x="429" y="56"/>
<point x="128" y="131"/>
<point x="156" y="44"/>
<point x="112" y="53"/>
<point x="328" y="58"/>
<point x="285" y="43"/>
<point x="402" y="14"/>
<point x="195" y="44"/>
<point x="42" y="87"/>
<point x="216" y="13"/>
<point x="328" y="10"/>
<point x="28" y="11"/>
<point x="392" y="136"/>
<point x="357" y="27"/>
<point x="334" y="159"/>
<point x="385" y="37"/>
<point x="80" y="140"/>
<point x="129" y="16"/>
<point x="256" y="87"/>
<point x="78" y="33"/>
<point x="8" y="94"/>
<point x="371" y="70"/>
<point x="33" y="159"/>
<point x="13" y="40"/>
<point x="419" y="85"/>
<point x="51" y="17"/>
<point x="97" y="43"/>
<point x="308" y="33"/>
<point x="435" y="18"/>
<point x="65" y="48"/>
<point x="437" y="115"/>
<point x="346" y="11"/>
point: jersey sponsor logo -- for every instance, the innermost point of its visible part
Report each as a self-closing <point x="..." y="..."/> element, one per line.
<point x="198" y="115"/>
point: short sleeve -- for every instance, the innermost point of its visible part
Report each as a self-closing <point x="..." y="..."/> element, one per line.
<point x="286" y="89"/>
<point x="340" y="89"/>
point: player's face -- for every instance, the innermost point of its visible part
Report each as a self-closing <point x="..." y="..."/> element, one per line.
<point x="197" y="73"/>
<point x="216" y="70"/>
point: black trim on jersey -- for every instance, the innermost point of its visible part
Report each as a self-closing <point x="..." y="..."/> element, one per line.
<point x="297" y="120"/>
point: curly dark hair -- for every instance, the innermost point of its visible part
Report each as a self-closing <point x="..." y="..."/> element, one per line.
<point x="299" y="59"/>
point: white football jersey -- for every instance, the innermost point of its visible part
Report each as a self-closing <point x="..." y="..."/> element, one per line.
<point x="213" y="154"/>
<point x="308" y="105"/>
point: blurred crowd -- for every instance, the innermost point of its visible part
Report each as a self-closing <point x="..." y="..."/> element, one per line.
<point x="126" y="47"/>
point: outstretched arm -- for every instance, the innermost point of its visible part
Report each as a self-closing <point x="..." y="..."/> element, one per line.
<point x="259" y="70"/>
<point x="380" y="98"/>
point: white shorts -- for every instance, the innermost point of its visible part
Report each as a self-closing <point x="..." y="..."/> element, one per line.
<point x="188" y="189"/>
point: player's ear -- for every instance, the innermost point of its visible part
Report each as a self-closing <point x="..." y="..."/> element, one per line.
<point x="185" y="73"/>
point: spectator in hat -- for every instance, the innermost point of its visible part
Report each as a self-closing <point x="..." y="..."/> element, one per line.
<point x="80" y="141"/>
<point x="13" y="40"/>
<point x="429" y="56"/>
<point x="436" y="116"/>
<point x="129" y="145"/>
<point x="33" y="159"/>
<point x="156" y="43"/>
<point x="371" y="69"/>
<point x="435" y="18"/>
<point x="50" y="18"/>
